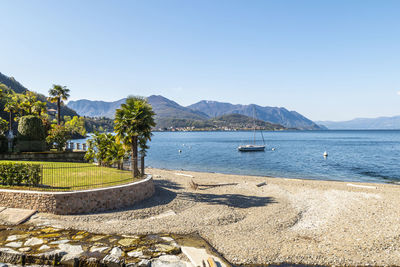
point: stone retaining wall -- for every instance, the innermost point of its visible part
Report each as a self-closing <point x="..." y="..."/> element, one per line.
<point x="85" y="201"/>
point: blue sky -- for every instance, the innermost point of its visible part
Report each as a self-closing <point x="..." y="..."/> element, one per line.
<point x="328" y="60"/>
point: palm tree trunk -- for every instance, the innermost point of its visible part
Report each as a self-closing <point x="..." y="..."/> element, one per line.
<point x="10" y="121"/>
<point x="142" y="164"/>
<point x="134" y="157"/>
<point x="58" y="111"/>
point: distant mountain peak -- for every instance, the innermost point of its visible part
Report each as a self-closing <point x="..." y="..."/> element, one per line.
<point x="380" y="123"/>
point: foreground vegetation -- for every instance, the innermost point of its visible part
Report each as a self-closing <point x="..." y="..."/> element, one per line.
<point x="65" y="176"/>
<point x="38" y="131"/>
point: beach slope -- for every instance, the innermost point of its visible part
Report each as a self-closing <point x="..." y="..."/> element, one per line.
<point x="258" y="220"/>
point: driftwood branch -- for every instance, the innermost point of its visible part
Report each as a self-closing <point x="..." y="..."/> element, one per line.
<point x="196" y="186"/>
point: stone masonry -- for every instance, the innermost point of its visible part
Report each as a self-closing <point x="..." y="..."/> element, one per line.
<point x="78" y="202"/>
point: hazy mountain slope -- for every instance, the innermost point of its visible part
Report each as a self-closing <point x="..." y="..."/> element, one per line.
<point x="282" y="116"/>
<point x="243" y="121"/>
<point x="95" y="108"/>
<point x="163" y="107"/>
<point x="168" y="112"/>
<point x="166" y="108"/>
<point x="13" y="84"/>
<point x="383" y="123"/>
<point x="232" y="121"/>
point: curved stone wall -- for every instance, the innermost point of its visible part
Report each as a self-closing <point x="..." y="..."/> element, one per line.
<point x="76" y="202"/>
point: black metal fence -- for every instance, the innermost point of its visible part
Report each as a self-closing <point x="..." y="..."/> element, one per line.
<point x="68" y="176"/>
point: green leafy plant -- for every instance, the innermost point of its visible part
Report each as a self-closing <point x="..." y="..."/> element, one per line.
<point x="12" y="173"/>
<point x="3" y="144"/>
<point x="134" y="119"/>
<point x="58" y="137"/>
<point x="104" y="149"/>
<point x="76" y="125"/>
<point x="3" y="126"/>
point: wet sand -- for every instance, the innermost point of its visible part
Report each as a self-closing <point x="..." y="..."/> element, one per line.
<point x="285" y="220"/>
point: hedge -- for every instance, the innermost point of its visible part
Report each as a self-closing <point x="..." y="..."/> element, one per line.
<point x="12" y="173"/>
<point x="31" y="128"/>
<point x="3" y="144"/>
<point x="30" y="146"/>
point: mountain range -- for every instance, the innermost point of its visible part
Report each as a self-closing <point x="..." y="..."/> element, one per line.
<point x="282" y="116"/>
<point x="382" y="123"/>
<point x="167" y="109"/>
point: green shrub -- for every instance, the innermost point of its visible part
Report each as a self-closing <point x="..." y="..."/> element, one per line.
<point x="3" y="144"/>
<point x="30" y="128"/>
<point x="12" y="173"/>
<point x="58" y="137"/>
<point x="30" y="146"/>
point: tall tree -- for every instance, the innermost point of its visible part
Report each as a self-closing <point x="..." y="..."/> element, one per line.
<point x="135" y="118"/>
<point x="11" y="107"/>
<point x="57" y="94"/>
<point x="143" y="149"/>
<point x="39" y="107"/>
<point x="27" y="102"/>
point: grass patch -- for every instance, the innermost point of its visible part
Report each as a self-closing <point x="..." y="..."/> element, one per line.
<point x="66" y="176"/>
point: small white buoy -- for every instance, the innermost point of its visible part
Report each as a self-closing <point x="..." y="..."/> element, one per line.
<point x="180" y="151"/>
<point x="325" y="154"/>
<point x="273" y="149"/>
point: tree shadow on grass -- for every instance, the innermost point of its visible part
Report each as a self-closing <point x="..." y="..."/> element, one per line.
<point x="230" y="200"/>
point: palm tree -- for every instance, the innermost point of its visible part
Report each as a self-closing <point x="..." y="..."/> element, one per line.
<point x="57" y="94"/>
<point x="12" y="106"/>
<point x="28" y="102"/>
<point x="143" y="149"/>
<point x="39" y="107"/>
<point x="135" y="118"/>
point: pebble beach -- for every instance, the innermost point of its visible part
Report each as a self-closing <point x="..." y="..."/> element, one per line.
<point x="259" y="220"/>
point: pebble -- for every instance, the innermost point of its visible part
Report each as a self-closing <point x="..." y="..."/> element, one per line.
<point x="127" y="242"/>
<point x="33" y="241"/>
<point x="44" y="247"/>
<point x="98" y="249"/>
<point x="14" y="244"/>
<point x="116" y="252"/>
<point x="62" y="241"/>
<point x="135" y="254"/>
<point x="70" y="249"/>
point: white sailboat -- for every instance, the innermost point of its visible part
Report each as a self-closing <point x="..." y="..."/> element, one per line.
<point x="253" y="147"/>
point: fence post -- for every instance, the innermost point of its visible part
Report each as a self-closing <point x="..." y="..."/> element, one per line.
<point x="41" y="174"/>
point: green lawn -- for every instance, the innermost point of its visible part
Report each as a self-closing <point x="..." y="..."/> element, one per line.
<point x="65" y="176"/>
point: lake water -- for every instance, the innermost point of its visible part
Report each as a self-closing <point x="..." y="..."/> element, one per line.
<point x="366" y="156"/>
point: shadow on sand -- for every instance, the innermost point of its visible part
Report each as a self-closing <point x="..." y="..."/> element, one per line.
<point x="230" y="200"/>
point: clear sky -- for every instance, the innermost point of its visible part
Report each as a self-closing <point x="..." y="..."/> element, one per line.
<point x="328" y="60"/>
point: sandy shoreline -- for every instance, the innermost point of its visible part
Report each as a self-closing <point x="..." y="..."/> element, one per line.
<point x="286" y="220"/>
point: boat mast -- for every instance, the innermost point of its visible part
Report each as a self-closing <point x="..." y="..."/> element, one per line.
<point x="254" y="125"/>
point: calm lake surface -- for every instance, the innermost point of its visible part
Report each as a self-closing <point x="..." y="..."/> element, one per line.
<point x="365" y="156"/>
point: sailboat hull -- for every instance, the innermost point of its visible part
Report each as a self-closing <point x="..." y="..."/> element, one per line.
<point x="251" y="148"/>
